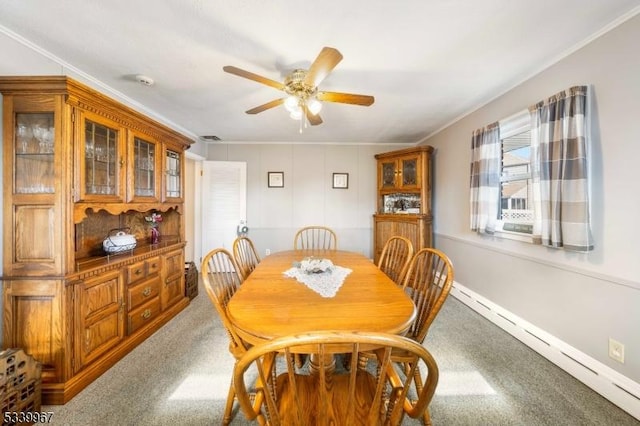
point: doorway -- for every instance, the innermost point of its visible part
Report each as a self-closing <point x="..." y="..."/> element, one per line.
<point x="224" y="203"/>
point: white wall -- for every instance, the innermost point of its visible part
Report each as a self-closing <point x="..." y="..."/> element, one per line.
<point x="582" y="299"/>
<point x="274" y="214"/>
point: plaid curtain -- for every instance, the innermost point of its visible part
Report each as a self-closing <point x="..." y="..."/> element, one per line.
<point x="559" y="142"/>
<point x="485" y="178"/>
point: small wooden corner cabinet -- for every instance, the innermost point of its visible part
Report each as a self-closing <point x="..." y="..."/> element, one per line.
<point x="404" y="198"/>
<point x="78" y="166"/>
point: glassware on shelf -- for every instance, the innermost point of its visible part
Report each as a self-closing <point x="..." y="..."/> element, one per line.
<point x="38" y="132"/>
<point x="144" y="162"/>
<point x="23" y="134"/>
<point x="172" y="177"/>
<point x="88" y="149"/>
<point x="34" y="148"/>
<point x="100" y="159"/>
<point x="46" y="145"/>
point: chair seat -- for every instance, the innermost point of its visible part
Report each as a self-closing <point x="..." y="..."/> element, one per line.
<point x="362" y="394"/>
<point x="336" y="411"/>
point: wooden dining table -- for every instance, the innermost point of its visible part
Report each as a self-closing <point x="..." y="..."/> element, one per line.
<point x="270" y="304"/>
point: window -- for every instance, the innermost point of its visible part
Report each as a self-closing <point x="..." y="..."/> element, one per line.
<point x="515" y="215"/>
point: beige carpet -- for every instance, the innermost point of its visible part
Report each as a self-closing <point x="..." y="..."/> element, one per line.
<point x="180" y="376"/>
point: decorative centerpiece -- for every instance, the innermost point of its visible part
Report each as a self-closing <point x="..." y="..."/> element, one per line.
<point x="314" y="265"/>
<point x="154" y="220"/>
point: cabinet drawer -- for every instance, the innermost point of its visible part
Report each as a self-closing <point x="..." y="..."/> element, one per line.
<point x="143" y="292"/>
<point x="153" y="265"/>
<point x="136" y="272"/>
<point x="142" y="269"/>
<point x="143" y="315"/>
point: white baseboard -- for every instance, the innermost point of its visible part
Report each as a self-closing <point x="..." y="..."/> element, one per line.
<point x="619" y="389"/>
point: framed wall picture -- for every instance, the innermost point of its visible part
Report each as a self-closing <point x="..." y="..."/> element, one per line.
<point x="275" y="179"/>
<point x="341" y="180"/>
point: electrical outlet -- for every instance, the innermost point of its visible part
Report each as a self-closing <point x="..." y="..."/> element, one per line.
<point x="267" y="252"/>
<point x="616" y="350"/>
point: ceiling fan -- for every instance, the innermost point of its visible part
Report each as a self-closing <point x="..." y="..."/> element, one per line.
<point x="301" y="86"/>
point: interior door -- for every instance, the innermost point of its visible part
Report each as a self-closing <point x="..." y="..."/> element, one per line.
<point x="224" y="203"/>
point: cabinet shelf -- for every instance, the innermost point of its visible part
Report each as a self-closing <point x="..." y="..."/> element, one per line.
<point x="98" y="159"/>
<point x="142" y="248"/>
<point x="35" y="154"/>
<point x="82" y="210"/>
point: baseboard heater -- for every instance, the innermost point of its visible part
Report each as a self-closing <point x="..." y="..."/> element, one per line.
<point x="617" y="388"/>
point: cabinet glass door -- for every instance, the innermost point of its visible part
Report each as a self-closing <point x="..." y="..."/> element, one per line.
<point x="144" y="168"/>
<point x="100" y="157"/>
<point x="34" y="162"/>
<point x="172" y="177"/>
<point x="388" y="174"/>
<point x="410" y="172"/>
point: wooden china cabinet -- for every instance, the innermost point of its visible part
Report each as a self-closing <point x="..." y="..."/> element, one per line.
<point x="77" y="167"/>
<point x="404" y="198"/>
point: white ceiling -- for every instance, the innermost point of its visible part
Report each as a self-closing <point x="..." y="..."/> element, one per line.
<point x="426" y="62"/>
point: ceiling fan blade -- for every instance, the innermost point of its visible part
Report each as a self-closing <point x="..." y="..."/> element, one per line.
<point x="327" y="59"/>
<point x="314" y="120"/>
<point x="266" y="106"/>
<point x="346" y="98"/>
<point x="251" y="76"/>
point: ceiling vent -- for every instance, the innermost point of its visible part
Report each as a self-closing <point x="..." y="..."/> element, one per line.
<point x="210" y="138"/>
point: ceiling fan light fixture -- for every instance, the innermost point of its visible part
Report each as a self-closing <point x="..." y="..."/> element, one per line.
<point x="314" y="106"/>
<point x="292" y="103"/>
<point x="296" y="114"/>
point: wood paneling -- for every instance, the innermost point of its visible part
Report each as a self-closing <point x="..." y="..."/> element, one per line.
<point x="173" y="278"/>
<point x="37" y="306"/>
<point x="99" y="310"/>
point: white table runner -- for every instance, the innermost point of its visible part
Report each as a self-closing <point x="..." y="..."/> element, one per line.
<point x="326" y="284"/>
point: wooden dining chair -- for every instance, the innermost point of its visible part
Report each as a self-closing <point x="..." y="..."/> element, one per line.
<point x="395" y="257"/>
<point x="315" y="238"/>
<point x="371" y="394"/>
<point x="245" y="255"/>
<point x="428" y="281"/>
<point x="221" y="280"/>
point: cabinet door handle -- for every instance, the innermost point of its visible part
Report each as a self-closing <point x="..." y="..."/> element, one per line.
<point x="146" y="314"/>
<point x="146" y="292"/>
<point x="138" y="271"/>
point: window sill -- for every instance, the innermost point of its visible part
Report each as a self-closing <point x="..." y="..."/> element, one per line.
<point x="517" y="236"/>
